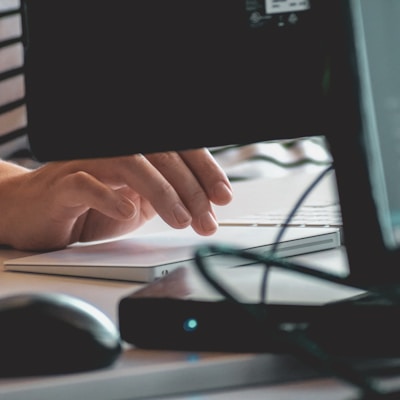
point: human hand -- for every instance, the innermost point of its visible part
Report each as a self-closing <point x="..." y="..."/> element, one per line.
<point x="83" y="200"/>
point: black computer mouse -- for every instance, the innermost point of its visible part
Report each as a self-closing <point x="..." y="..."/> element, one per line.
<point x="53" y="333"/>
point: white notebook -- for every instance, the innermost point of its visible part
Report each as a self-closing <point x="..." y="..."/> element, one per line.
<point x="147" y="257"/>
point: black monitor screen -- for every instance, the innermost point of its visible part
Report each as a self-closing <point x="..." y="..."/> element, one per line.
<point x="365" y="135"/>
<point x="379" y="60"/>
<point x="113" y="77"/>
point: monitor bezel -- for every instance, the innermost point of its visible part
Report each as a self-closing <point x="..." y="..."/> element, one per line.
<point x="371" y="262"/>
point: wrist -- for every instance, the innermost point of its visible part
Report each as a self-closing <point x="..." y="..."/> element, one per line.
<point x="8" y="169"/>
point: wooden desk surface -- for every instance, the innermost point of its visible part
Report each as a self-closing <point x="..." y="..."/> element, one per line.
<point x="145" y="373"/>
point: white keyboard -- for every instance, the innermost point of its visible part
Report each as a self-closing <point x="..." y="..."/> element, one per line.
<point x="321" y="215"/>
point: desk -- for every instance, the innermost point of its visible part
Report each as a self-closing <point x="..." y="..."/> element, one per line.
<point x="154" y="374"/>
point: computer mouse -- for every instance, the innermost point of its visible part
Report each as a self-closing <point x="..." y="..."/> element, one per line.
<point x="52" y="333"/>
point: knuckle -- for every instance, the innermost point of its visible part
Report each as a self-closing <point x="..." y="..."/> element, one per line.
<point x="77" y="179"/>
<point x="164" y="159"/>
<point x="198" y="198"/>
<point x="164" y="190"/>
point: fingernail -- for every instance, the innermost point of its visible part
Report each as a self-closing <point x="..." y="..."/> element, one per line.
<point x="208" y="223"/>
<point x="126" y="208"/>
<point x="181" y="215"/>
<point x="222" y="191"/>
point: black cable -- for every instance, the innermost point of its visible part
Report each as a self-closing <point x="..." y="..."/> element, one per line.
<point x="299" y="202"/>
<point x="296" y="339"/>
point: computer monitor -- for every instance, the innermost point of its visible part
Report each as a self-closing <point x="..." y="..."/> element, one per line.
<point x="115" y="77"/>
<point x="365" y="136"/>
<point x="110" y="77"/>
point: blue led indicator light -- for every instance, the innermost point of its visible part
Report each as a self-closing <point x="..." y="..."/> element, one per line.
<point x="190" y="325"/>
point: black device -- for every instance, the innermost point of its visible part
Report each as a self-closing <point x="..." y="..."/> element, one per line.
<point x="192" y="325"/>
<point x="366" y="328"/>
<point x="106" y="78"/>
<point x="52" y="333"/>
<point x="101" y="80"/>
